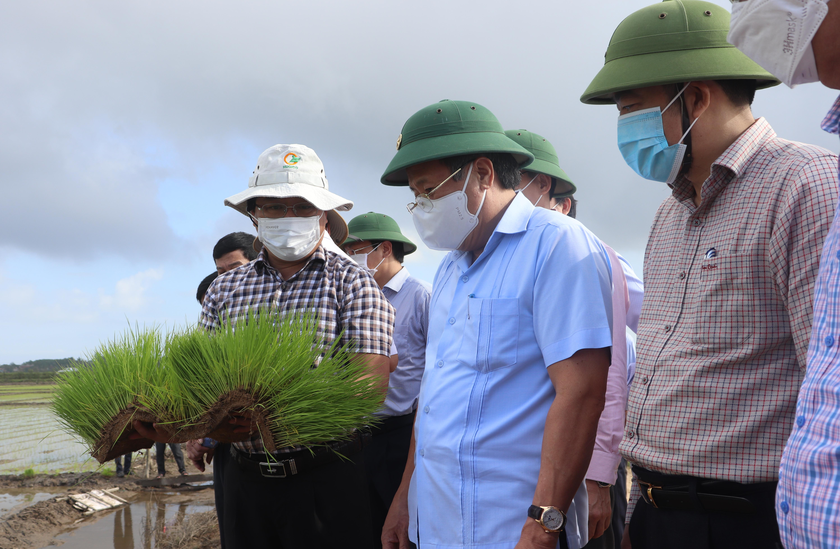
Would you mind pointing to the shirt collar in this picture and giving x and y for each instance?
(831, 124)
(515, 218)
(261, 262)
(732, 162)
(397, 281)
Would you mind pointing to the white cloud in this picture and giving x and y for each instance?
(130, 293)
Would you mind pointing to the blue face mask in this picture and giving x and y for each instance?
(642, 142)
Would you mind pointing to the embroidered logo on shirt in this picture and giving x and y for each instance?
(711, 253)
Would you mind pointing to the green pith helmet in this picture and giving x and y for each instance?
(449, 128)
(545, 160)
(672, 42)
(374, 226)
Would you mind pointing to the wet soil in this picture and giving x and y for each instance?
(45, 523)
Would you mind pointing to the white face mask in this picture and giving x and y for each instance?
(528, 185)
(289, 238)
(446, 222)
(777, 35)
(362, 260)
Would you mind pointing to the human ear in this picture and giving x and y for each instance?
(697, 98)
(483, 170)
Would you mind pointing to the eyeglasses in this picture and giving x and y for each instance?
(277, 210)
(349, 251)
(423, 201)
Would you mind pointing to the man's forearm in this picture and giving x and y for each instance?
(378, 369)
(566, 451)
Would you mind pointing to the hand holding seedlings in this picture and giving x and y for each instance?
(199, 454)
(149, 431)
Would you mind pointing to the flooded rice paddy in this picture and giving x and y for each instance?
(33, 439)
(139, 525)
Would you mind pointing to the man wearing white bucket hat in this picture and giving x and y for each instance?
(319, 500)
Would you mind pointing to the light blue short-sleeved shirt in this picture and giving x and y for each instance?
(410, 299)
(538, 293)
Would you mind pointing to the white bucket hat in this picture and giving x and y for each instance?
(294, 171)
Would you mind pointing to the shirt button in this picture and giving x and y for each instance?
(829, 341)
(426, 409)
(630, 434)
(697, 222)
(422, 452)
(667, 328)
(464, 278)
(785, 507)
(800, 421)
(682, 275)
(452, 320)
(644, 380)
(440, 364)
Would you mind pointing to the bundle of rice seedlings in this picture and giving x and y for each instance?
(97, 402)
(261, 366)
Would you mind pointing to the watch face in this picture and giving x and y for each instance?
(552, 519)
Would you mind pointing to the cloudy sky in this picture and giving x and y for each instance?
(124, 125)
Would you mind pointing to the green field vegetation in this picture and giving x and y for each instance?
(27, 377)
(22, 393)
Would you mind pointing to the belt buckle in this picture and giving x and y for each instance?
(277, 469)
(650, 488)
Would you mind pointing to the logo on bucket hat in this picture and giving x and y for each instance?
(294, 171)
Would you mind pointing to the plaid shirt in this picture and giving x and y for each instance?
(724, 329)
(344, 297)
(808, 497)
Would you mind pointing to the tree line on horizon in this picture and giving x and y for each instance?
(42, 365)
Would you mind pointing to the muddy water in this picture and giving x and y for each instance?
(134, 526)
(12, 501)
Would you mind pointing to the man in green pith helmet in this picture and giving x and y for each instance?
(544, 182)
(729, 273)
(808, 497)
(377, 244)
(495, 462)
(546, 185)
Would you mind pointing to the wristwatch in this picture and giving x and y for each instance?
(551, 519)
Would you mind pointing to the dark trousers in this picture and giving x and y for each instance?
(220, 457)
(324, 508)
(619, 504)
(385, 457)
(125, 466)
(652, 528)
(160, 456)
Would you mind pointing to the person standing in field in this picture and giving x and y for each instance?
(297, 498)
(376, 243)
(546, 185)
(493, 463)
(729, 276)
(808, 495)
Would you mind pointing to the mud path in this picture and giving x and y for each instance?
(50, 522)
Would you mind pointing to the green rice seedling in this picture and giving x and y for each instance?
(29, 473)
(98, 401)
(261, 365)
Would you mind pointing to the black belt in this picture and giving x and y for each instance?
(687, 493)
(294, 463)
(392, 423)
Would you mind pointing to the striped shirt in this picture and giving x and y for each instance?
(808, 497)
(723, 335)
(349, 304)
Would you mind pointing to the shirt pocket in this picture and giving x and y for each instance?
(725, 307)
(498, 334)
